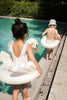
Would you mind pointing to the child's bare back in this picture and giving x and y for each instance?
(51, 32)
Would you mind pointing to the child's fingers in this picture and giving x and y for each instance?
(38, 75)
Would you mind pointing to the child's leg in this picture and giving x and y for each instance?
(47, 54)
(15, 92)
(51, 51)
(25, 91)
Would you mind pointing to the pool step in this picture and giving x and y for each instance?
(36, 84)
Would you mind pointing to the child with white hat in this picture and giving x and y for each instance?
(51, 34)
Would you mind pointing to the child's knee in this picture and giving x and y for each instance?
(16, 91)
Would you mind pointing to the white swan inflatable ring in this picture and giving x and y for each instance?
(49, 44)
(11, 77)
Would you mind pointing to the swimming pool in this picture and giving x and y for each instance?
(36, 28)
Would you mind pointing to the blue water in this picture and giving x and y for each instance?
(36, 28)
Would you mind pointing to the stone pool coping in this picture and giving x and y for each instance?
(31, 19)
(58, 89)
(23, 18)
(36, 84)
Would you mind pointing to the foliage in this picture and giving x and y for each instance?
(5, 7)
(23, 9)
(38, 10)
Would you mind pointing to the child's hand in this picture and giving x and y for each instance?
(38, 76)
(42, 35)
(44, 32)
(40, 73)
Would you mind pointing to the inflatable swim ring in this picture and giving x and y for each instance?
(11, 73)
(49, 44)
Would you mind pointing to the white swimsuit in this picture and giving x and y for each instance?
(19, 70)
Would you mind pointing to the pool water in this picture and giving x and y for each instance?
(36, 28)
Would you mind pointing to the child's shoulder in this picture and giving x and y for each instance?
(53, 29)
(56, 30)
(47, 29)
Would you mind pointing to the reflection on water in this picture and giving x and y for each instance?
(6, 88)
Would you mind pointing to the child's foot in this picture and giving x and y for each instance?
(50, 58)
(47, 59)
(27, 98)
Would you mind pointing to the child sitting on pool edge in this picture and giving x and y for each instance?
(52, 33)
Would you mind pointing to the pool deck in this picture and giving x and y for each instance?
(59, 87)
(35, 85)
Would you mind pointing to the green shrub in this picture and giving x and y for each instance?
(5, 7)
(23, 9)
(39, 10)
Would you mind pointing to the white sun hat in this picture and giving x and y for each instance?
(52, 22)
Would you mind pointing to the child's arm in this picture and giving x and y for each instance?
(32, 58)
(44, 32)
(58, 36)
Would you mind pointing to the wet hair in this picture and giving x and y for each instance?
(19, 29)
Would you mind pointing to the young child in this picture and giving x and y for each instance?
(20, 32)
(52, 33)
